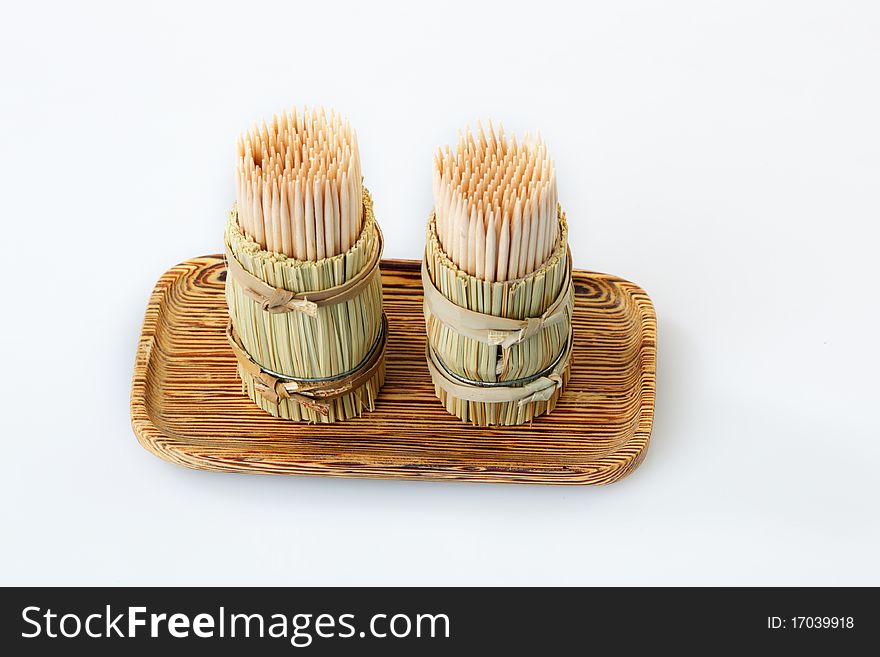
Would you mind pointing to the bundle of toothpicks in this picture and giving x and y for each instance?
(303, 284)
(497, 279)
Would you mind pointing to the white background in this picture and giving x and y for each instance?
(725, 156)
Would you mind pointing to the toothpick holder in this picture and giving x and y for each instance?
(499, 353)
(309, 336)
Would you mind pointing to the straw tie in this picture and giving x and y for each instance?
(507, 339)
(276, 300)
(543, 389)
(313, 394)
(283, 301)
(491, 329)
(540, 388)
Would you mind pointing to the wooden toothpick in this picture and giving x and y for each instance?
(495, 203)
(298, 184)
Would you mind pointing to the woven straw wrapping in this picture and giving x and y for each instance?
(295, 345)
(518, 299)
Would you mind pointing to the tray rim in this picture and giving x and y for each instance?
(608, 468)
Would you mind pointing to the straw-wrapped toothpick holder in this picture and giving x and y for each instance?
(498, 352)
(309, 336)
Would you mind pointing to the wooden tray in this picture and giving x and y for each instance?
(187, 405)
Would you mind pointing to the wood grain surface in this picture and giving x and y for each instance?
(187, 404)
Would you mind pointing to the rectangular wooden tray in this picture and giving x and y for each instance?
(187, 405)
